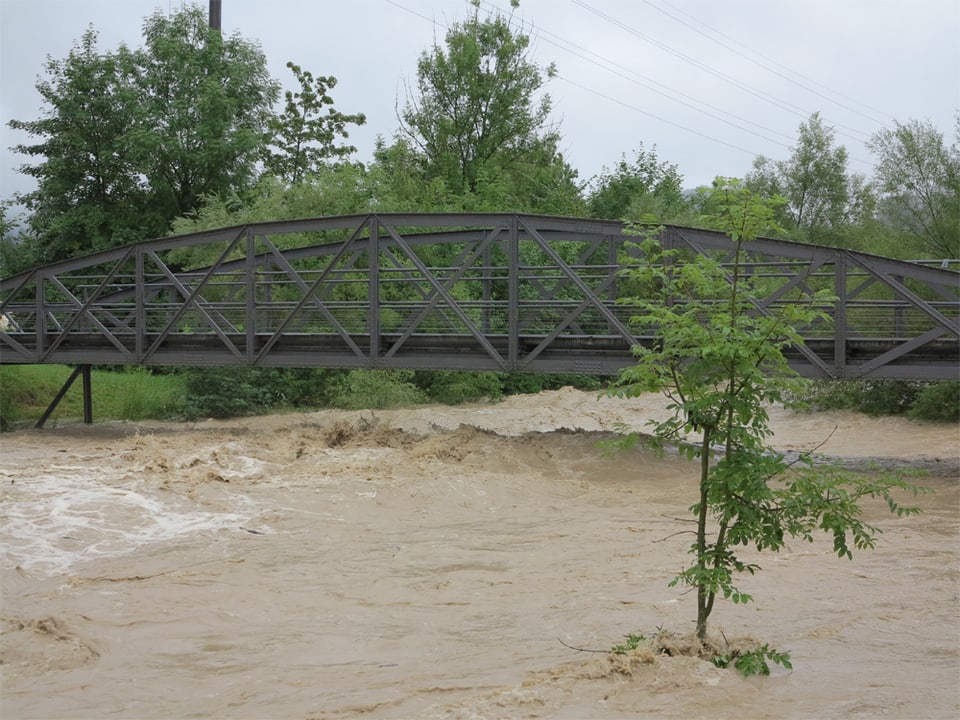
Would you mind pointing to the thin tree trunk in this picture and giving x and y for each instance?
(703, 597)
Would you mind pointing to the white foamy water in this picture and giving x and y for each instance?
(66, 515)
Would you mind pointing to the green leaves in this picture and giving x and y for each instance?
(206, 102)
(645, 187)
(719, 356)
(632, 642)
(130, 139)
(479, 126)
(819, 194)
(753, 662)
(920, 177)
(303, 137)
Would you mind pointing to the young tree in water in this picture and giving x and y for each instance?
(720, 361)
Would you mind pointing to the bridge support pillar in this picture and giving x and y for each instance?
(80, 370)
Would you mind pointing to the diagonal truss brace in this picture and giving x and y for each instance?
(83, 309)
(466, 260)
(951, 326)
(309, 294)
(809, 354)
(588, 294)
(546, 294)
(565, 323)
(190, 298)
(441, 291)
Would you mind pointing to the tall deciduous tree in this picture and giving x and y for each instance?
(479, 119)
(206, 103)
(303, 137)
(88, 187)
(920, 176)
(131, 139)
(815, 182)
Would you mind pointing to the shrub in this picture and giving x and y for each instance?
(223, 392)
(378, 389)
(939, 401)
(308, 387)
(453, 388)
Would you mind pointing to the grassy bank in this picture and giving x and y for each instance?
(131, 394)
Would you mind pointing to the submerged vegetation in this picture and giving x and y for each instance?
(747, 656)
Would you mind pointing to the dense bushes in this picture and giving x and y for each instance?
(230, 392)
(193, 393)
(937, 401)
(377, 389)
(226, 392)
(453, 388)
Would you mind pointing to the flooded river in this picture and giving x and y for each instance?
(436, 562)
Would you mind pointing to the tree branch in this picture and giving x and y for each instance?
(578, 649)
(679, 532)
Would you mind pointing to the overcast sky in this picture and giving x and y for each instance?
(710, 84)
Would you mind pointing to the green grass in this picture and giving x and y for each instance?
(133, 394)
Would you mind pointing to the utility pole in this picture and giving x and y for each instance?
(215, 15)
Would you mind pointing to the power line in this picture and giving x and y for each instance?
(434, 21)
(566, 45)
(616, 68)
(767, 97)
(769, 60)
(654, 116)
(625, 72)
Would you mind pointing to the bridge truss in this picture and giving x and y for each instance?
(501, 292)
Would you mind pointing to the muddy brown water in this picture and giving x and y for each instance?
(427, 563)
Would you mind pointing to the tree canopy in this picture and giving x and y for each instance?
(479, 123)
(88, 188)
(645, 187)
(207, 101)
(919, 175)
(814, 180)
(131, 139)
(302, 137)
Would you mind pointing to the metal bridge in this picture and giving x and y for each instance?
(502, 292)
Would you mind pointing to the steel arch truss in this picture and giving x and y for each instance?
(501, 292)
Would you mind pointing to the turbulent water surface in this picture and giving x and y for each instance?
(435, 563)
